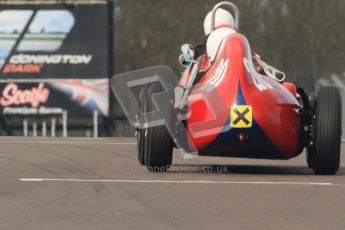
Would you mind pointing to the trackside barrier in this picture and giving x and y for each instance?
(53, 126)
(95, 124)
(64, 124)
(25, 127)
(44, 129)
(34, 129)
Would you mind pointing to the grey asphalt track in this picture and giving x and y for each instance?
(97, 184)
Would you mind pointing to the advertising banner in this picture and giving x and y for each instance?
(54, 57)
(48, 97)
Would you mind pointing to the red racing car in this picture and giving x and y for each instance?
(229, 103)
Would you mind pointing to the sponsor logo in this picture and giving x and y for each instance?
(50, 59)
(28, 68)
(12, 95)
(30, 98)
(24, 110)
(241, 116)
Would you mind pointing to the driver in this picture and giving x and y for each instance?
(224, 26)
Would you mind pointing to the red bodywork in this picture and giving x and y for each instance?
(232, 80)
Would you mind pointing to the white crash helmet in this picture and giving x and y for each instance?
(223, 18)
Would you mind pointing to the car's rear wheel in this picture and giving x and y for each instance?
(158, 144)
(325, 154)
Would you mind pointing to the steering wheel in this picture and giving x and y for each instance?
(230, 5)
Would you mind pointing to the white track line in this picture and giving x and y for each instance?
(69, 142)
(72, 142)
(182, 181)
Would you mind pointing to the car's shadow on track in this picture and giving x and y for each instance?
(246, 169)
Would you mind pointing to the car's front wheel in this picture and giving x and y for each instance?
(158, 144)
(141, 132)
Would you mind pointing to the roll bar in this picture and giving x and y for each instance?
(232, 6)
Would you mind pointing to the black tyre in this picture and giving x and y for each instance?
(325, 155)
(141, 132)
(158, 144)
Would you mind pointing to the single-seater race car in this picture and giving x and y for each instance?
(241, 107)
